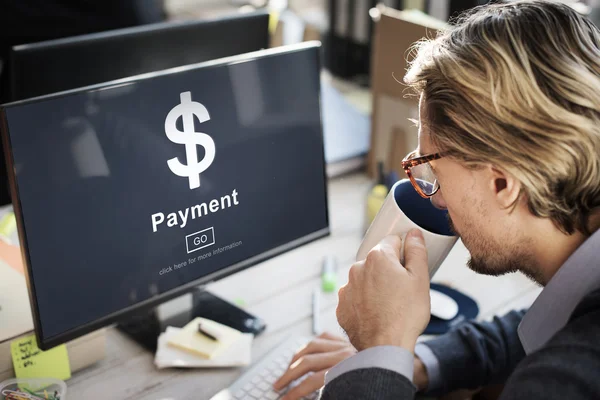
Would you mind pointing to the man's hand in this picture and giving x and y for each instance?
(420, 377)
(385, 303)
(321, 354)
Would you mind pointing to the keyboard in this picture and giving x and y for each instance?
(257, 382)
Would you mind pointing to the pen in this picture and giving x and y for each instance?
(206, 333)
(328, 274)
(316, 307)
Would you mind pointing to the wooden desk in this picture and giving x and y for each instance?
(279, 290)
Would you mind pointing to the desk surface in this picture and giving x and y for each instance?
(128, 371)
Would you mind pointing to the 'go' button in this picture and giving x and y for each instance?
(200, 240)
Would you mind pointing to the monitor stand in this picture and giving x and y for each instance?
(145, 327)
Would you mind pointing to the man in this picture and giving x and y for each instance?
(509, 135)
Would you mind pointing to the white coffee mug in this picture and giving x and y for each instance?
(403, 210)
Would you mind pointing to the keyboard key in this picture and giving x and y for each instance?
(271, 395)
(276, 369)
(240, 394)
(255, 380)
(248, 387)
(264, 372)
(257, 394)
(264, 386)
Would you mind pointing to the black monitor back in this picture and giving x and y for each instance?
(64, 64)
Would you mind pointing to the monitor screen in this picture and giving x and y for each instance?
(132, 192)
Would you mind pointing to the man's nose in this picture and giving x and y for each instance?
(438, 201)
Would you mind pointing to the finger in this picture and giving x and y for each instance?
(295, 371)
(415, 253)
(344, 306)
(355, 274)
(309, 385)
(331, 336)
(319, 345)
(391, 245)
(306, 364)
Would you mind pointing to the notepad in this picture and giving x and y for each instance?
(188, 338)
(31, 362)
(237, 354)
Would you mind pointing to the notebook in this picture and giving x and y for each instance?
(188, 338)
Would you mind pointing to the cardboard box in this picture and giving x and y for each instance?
(393, 103)
(396, 150)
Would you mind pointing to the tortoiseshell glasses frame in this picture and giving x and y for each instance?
(410, 161)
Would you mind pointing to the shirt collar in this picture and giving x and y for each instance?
(550, 312)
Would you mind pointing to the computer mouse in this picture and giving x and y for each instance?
(442, 305)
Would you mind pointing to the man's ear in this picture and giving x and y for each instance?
(505, 187)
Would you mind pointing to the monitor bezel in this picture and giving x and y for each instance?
(46, 343)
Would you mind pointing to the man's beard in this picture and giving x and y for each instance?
(451, 225)
(498, 263)
(524, 264)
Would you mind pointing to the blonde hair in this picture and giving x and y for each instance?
(517, 85)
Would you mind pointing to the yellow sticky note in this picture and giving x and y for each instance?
(31, 362)
(8, 224)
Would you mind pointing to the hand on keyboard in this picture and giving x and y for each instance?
(306, 370)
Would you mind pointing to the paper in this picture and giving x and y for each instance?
(31, 362)
(346, 131)
(15, 315)
(11, 255)
(238, 354)
(188, 338)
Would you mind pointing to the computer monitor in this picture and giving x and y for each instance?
(63, 64)
(132, 192)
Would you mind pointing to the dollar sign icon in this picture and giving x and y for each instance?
(190, 138)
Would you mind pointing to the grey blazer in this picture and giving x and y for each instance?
(478, 354)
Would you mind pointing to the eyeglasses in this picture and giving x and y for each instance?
(421, 174)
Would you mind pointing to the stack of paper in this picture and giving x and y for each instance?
(185, 347)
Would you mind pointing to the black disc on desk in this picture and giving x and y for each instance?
(467, 310)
